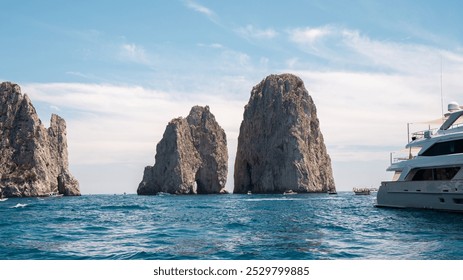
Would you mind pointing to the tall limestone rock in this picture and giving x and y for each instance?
(33, 159)
(280, 145)
(191, 158)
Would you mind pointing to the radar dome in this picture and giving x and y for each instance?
(453, 106)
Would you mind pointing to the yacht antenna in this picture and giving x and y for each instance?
(441, 94)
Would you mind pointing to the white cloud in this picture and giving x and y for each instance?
(292, 62)
(348, 47)
(310, 35)
(202, 10)
(235, 61)
(255, 33)
(212, 46)
(199, 8)
(133, 53)
(55, 108)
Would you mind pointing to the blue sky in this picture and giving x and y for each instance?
(118, 71)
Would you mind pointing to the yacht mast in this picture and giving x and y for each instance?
(441, 93)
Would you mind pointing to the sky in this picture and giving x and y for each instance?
(119, 71)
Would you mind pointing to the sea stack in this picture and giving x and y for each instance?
(33, 159)
(191, 158)
(280, 145)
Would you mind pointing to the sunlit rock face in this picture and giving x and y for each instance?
(191, 157)
(280, 145)
(33, 159)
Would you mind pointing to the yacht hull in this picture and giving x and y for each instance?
(438, 195)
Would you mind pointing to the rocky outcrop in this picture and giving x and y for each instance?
(280, 145)
(33, 159)
(191, 158)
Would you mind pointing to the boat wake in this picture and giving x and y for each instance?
(19, 205)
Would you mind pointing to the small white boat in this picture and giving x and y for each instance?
(362, 191)
(249, 192)
(55, 194)
(290, 192)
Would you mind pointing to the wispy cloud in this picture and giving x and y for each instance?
(199, 8)
(253, 32)
(202, 10)
(342, 46)
(133, 53)
(212, 46)
(310, 35)
(55, 108)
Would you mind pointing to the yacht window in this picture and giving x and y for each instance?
(445, 148)
(396, 175)
(431, 174)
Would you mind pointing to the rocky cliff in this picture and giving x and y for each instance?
(191, 158)
(33, 159)
(280, 145)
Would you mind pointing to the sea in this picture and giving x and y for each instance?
(224, 227)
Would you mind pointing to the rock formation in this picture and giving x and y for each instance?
(191, 158)
(280, 145)
(33, 159)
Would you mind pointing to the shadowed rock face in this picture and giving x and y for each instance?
(191, 158)
(33, 159)
(280, 145)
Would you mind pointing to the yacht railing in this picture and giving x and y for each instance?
(395, 159)
(403, 155)
(455, 126)
(423, 134)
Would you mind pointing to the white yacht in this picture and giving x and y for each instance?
(431, 176)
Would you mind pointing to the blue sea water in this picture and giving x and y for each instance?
(300, 227)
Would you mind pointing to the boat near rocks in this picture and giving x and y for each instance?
(55, 194)
(289, 192)
(362, 191)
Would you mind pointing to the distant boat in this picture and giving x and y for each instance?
(55, 194)
(290, 192)
(362, 191)
(249, 192)
(332, 192)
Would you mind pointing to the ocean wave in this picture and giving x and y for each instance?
(19, 205)
(124, 207)
(224, 227)
(96, 228)
(284, 198)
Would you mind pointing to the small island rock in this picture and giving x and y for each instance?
(33, 159)
(280, 145)
(191, 157)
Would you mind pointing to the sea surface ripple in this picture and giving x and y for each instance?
(300, 227)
